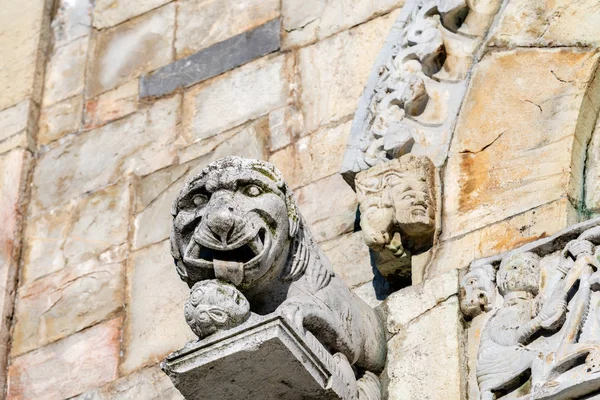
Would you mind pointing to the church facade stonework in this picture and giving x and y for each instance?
(267, 199)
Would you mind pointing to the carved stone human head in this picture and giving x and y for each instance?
(233, 222)
(519, 272)
(213, 306)
(397, 196)
(478, 290)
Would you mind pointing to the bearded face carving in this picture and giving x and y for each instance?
(397, 209)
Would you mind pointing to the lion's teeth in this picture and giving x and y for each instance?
(256, 245)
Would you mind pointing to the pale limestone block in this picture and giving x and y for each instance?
(369, 294)
(428, 347)
(23, 38)
(150, 187)
(16, 126)
(153, 223)
(60, 119)
(548, 23)
(156, 297)
(313, 157)
(112, 105)
(66, 302)
(65, 72)
(329, 206)
(68, 367)
(148, 384)
(107, 154)
(84, 229)
(531, 147)
(73, 19)
(229, 100)
(407, 304)
(334, 71)
(307, 21)
(201, 24)
(592, 172)
(502, 236)
(350, 259)
(129, 50)
(109, 13)
(285, 124)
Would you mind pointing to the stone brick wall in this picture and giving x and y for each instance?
(108, 106)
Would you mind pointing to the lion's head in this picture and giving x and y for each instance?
(235, 221)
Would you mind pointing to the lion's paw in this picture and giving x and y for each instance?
(294, 315)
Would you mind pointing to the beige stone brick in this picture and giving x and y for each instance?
(592, 177)
(155, 325)
(17, 125)
(313, 157)
(126, 51)
(350, 259)
(548, 23)
(368, 294)
(112, 105)
(84, 229)
(505, 235)
(335, 71)
(329, 206)
(203, 23)
(108, 13)
(241, 95)
(65, 71)
(66, 368)
(60, 119)
(428, 347)
(147, 384)
(285, 124)
(140, 144)
(305, 21)
(525, 145)
(153, 223)
(24, 32)
(72, 20)
(66, 302)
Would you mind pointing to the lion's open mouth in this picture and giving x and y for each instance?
(235, 260)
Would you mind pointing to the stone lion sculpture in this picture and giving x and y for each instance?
(238, 222)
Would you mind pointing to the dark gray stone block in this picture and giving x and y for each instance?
(212, 61)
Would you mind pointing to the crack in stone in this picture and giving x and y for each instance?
(467, 151)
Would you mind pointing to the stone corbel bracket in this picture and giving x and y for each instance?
(417, 84)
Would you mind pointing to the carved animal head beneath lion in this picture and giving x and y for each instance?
(235, 221)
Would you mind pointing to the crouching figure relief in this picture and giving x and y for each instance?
(542, 340)
(241, 245)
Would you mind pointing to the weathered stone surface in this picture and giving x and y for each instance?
(106, 155)
(82, 230)
(129, 50)
(155, 324)
(350, 259)
(285, 124)
(14, 167)
(112, 105)
(60, 119)
(73, 19)
(335, 70)
(201, 24)
(218, 105)
(214, 60)
(313, 157)
(23, 39)
(592, 172)
(65, 71)
(16, 126)
(287, 363)
(329, 206)
(429, 346)
(502, 236)
(108, 13)
(66, 302)
(153, 223)
(66, 368)
(407, 304)
(148, 384)
(531, 147)
(548, 23)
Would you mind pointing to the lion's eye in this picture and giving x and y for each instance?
(199, 199)
(252, 191)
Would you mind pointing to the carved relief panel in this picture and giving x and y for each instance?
(535, 327)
